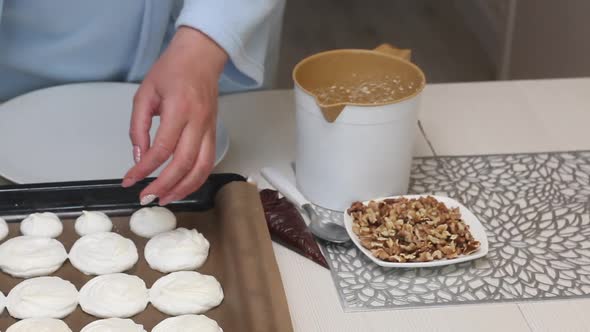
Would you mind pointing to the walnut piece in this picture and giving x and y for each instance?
(411, 230)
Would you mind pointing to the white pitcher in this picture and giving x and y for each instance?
(349, 151)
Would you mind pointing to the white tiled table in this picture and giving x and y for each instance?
(459, 119)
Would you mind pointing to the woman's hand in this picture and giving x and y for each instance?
(181, 88)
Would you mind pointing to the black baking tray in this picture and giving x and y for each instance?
(69, 198)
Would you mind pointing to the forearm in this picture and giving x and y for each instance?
(200, 47)
(241, 28)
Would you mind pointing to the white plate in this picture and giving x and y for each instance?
(72, 132)
(475, 226)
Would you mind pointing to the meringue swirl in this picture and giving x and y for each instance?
(177, 250)
(103, 253)
(186, 292)
(150, 221)
(93, 222)
(39, 325)
(44, 224)
(113, 325)
(188, 323)
(42, 297)
(31, 256)
(117, 295)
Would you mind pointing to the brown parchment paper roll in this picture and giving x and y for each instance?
(241, 258)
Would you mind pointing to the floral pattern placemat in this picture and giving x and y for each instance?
(536, 211)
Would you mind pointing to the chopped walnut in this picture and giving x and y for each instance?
(411, 230)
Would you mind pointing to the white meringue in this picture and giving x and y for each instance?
(93, 222)
(42, 297)
(31, 256)
(3, 229)
(113, 325)
(186, 292)
(149, 221)
(2, 302)
(103, 253)
(177, 250)
(39, 325)
(117, 295)
(45, 224)
(188, 323)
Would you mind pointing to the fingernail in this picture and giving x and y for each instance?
(147, 199)
(136, 154)
(128, 182)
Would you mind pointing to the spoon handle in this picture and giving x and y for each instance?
(280, 182)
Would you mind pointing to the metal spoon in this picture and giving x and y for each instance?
(327, 231)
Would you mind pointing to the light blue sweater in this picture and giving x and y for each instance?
(50, 42)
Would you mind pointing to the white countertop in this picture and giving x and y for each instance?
(459, 119)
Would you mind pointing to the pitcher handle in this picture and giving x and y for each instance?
(389, 49)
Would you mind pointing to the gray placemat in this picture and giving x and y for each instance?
(536, 211)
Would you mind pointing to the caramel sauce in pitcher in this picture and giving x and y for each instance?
(358, 77)
(370, 90)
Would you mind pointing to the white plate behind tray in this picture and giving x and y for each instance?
(72, 132)
(477, 230)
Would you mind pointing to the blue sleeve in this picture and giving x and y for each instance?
(246, 30)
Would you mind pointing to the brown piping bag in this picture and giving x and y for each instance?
(288, 228)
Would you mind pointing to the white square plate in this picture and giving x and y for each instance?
(475, 226)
